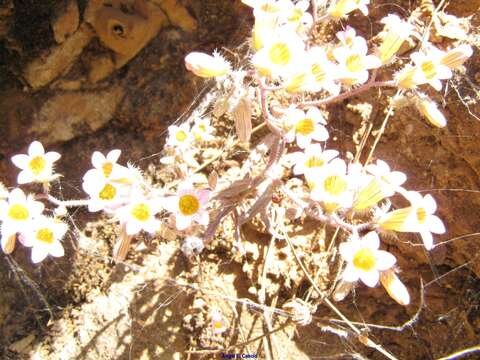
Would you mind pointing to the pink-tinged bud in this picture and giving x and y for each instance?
(395, 288)
(207, 66)
(430, 111)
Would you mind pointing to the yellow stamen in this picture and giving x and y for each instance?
(107, 169)
(279, 54)
(188, 205)
(305, 127)
(37, 165)
(364, 259)
(45, 235)
(314, 161)
(141, 212)
(421, 215)
(318, 73)
(18, 212)
(108, 192)
(354, 63)
(335, 185)
(181, 135)
(429, 70)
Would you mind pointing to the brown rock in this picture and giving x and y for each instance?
(66, 22)
(42, 71)
(100, 68)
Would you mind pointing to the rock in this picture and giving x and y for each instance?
(100, 68)
(42, 71)
(66, 22)
(72, 114)
(22, 345)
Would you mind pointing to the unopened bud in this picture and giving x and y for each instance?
(395, 288)
(429, 110)
(396, 32)
(207, 66)
(456, 57)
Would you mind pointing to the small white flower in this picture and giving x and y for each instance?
(332, 187)
(44, 237)
(139, 214)
(104, 195)
(341, 8)
(202, 130)
(390, 181)
(312, 159)
(416, 218)
(207, 66)
(298, 17)
(179, 136)
(188, 206)
(107, 165)
(429, 68)
(37, 166)
(395, 33)
(217, 322)
(16, 214)
(305, 127)
(354, 62)
(364, 260)
(348, 38)
(322, 73)
(281, 55)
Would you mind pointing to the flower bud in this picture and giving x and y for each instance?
(207, 66)
(395, 288)
(456, 57)
(405, 78)
(429, 110)
(396, 32)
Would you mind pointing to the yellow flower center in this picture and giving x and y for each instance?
(335, 185)
(141, 212)
(421, 215)
(37, 165)
(217, 325)
(314, 161)
(296, 16)
(354, 63)
(318, 73)
(181, 135)
(18, 212)
(108, 192)
(429, 70)
(188, 205)
(107, 169)
(280, 54)
(45, 235)
(202, 127)
(364, 259)
(305, 127)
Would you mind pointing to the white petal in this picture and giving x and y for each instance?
(320, 133)
(347, 250)
(370, 278)
(17, 196)
(202, 218)
(182, 222)
(429, 204)
(98, 159)
(113, 155)
(427, 239)
(36, 149)
(170, 204)
(397, 178)
(371, 241)
(436, 84)
(303, 141)
(25, 177)
(56, 249)
(435, 225)
(39, 253)
(21, 161)
(350, 274)
(52, 156)
(152, 226)
(133, 227)
(384, 260)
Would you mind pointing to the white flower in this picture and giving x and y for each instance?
(207, 66)
(430, 111)
(188, 206)
(16, 214)
(429, 68)
(104, 194)
(179, 136)
(106, 166)
(202, 130)
(322, 73)
(139, 214)
(395, 33)
(332, 187)
(390, 181)
(281, 55)
(37, 166)
(312, 159)
(305, 127)
(217, 322)
(348, 38)
(416, 218)
(364, 260)
(298, 17)
(341, 8)
(44, 237)
(354, 63)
